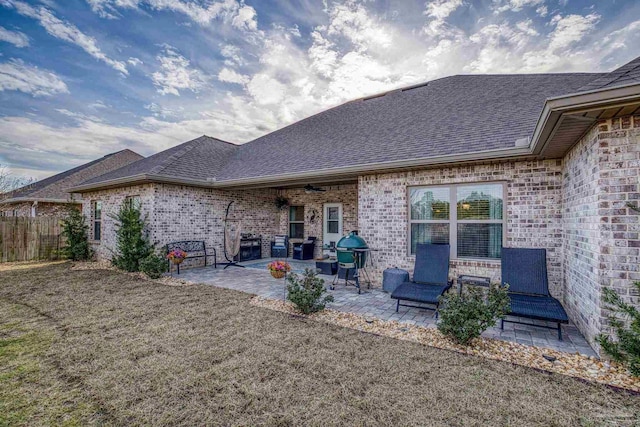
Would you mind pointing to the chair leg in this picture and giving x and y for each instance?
(397, 305)
(559, 331)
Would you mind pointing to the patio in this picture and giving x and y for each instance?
(255, 279)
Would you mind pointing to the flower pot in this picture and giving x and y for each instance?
(177, 260)
(278, 274)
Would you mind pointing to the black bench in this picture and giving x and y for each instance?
(194, 249)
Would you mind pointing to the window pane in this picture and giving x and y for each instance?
(480, 202)
(97, 230)
(428, 233)
(296, 231)
(332, 213)
(296, 213)
(332, 227)
(97, 210)
(479, 240)
(429, 203)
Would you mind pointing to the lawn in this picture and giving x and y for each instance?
(99, 347)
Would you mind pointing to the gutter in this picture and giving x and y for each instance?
(38, 200)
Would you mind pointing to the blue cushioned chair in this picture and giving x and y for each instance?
(430, 278)
(280, 247)
(525, 271)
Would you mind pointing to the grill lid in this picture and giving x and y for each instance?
(352, 241)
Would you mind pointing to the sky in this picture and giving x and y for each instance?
(83, 78)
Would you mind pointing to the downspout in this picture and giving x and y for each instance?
(34, 208)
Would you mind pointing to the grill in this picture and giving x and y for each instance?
(346, 252)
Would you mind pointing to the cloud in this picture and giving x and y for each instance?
(230, 76)
(16, 38)
(16, 75)
(514, 5)
(437, 12)
(176, 74)
(66, 31)
(134, 61)
(235, 12)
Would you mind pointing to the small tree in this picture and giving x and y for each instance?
(464, 317)
(75, 230)
(625, 321)
(307, 293)
(132, 244)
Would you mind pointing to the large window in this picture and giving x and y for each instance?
(97, 220)
(296, 222)
(469, 217)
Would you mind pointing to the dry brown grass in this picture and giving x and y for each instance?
(145, 353)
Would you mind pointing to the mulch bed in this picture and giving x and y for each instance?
(570, 364)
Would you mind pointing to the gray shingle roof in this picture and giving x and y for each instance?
(629, 73)
(452, 115)
(199, 159)
(55, 187)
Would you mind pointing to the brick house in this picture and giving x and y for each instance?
(50, 197)
(478, 161)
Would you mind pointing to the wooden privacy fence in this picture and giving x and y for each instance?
(27, 239)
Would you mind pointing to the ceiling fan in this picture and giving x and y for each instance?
(311, 189)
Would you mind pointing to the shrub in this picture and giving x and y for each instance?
(464, 317)
(132, 244)
(75, 230)
(153, 266)
(625, 321)
(307, 293)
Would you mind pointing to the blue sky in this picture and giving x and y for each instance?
(83, 78)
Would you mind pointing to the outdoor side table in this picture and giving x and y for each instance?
(328, 267)
(469, 280)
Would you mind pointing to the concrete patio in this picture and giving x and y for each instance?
(255, 279)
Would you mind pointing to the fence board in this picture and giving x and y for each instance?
(27, 239)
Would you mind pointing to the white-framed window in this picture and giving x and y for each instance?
(296, 222)
(96, 214)
(469, 217)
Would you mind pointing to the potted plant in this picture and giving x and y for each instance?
(281, 202)
(278, 269)
(176, 256)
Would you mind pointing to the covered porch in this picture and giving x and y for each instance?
(374, 303)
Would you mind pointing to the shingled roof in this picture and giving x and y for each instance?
(452, 115)
(628, 74)
(55, 187)
(200, 159)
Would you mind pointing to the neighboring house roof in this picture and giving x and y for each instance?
(626, 75)
(458, 118)
(54, 188)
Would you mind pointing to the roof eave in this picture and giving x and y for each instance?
(137, 180)
(555, 107)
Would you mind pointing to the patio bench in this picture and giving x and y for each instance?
(525, 271)
(195, 249)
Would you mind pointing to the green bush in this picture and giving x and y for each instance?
(154, 266)
(464, 317)
(625, 321)
(307, 293)
(75, 230)
(132, 244)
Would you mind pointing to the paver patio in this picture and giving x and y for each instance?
(255, 279)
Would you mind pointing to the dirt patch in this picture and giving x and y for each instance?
(195, 355)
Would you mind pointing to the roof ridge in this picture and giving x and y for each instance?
(187, 146)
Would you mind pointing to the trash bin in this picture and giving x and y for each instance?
(393, 277)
